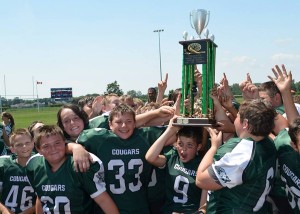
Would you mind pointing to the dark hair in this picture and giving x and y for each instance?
(294, 130)
(196, 133)
(152, 89)
(78, 111)
(47, 131)
(270, 88)
(121, 109)
(10, 117)
(260, 116)
(173, 96)
(86, 101)
(191, 132)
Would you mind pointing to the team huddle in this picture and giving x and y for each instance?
(108, 157)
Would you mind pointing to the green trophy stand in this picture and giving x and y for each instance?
(202, 51)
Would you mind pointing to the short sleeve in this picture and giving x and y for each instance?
(230, 168)
(93, 179)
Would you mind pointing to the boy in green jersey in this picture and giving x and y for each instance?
(240, 173)
(17, 195)
(122, 150)
(287, 141)
(60, 189)
(182, 194)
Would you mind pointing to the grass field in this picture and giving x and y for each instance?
(24, 117)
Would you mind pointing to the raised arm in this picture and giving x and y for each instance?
(162, 86)
(221, 117)
(155, 117)
(283, 81)
(203, 178)
(153, 155)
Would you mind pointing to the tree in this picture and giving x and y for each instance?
(134, 93)
(114, 87)
(235, 89)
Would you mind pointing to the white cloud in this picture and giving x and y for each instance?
(283, 56)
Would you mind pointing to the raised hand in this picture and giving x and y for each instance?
(249, 90)
(162, 85)
(282, 79)
(216, 137)
(245, 82)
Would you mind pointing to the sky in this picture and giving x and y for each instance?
(87, 44)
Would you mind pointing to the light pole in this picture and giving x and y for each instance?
(158, 31)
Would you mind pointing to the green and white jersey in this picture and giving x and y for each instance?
(183, 196)
(289, 162)
(16, 192)
(127, 173)
(66, 191)
(246, 170)
(99, 122)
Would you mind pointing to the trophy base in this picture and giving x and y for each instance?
(186, 121)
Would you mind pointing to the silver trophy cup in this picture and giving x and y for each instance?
(199, 20)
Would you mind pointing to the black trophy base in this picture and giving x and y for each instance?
(186, 121)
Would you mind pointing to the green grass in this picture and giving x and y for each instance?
(24, 117)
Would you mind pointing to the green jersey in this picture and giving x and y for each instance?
(16, 192)
(246, 170)
(156, 187)
(127, 173)
(289, 162)
(99, 122)
(66, 191)
(183, 196)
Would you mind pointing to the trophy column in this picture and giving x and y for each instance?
(195, 52)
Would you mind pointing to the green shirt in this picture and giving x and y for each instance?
(65, 190)
(183, 196)
(99, 122)
(16, 192)
(127, 173)
(289, 162)
(246, 170)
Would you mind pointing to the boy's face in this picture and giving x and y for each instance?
(122, 125)
(265, 96)
(53, 149)
(23, 146)
(72, 123)
(239, 129)
(187, 148)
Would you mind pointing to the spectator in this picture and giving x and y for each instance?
(7, 128)
(152, 94)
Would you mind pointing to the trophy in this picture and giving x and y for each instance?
(198, 51)
(199, 20)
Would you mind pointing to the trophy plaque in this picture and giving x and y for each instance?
(195, 52)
